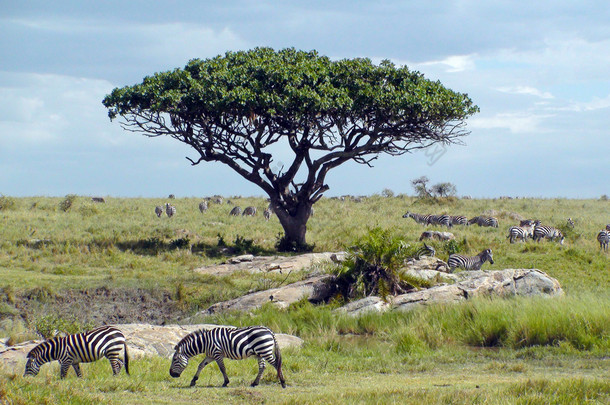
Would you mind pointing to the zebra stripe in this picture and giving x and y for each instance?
(443, 220)
(570, 223)
(484, 221)
(106, 341)
(170, 210)
(420, 219)
(519, 232)
(543, 231)
(232, 343)
(603, 237)
(425, 251)
(467, 262)
(459, 220)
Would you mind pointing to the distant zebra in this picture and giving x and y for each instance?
(570, 223)
(608, 227)
(420, 219)
(459, 220)
(235, 211)
(603, 237)
(425, 251)
(443, 220)
(548, 232)
(529, 222)
(170, 210)
(484, 221)
(98, 199)
(232, 343)
(467, 262)
(159, 211)
(106, 341)
(267, 214)
(249, 211)
(520, 232)
(203, 206)
(217, 199)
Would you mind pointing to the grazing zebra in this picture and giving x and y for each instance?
(608, 227)
(170, 210)
(267, 214)
(543, 231)
(159, 211)
(235, 211)
(603, 237)
(420, 219)
(484, 221)
(467, 262)
(529, 222)
(459, 220)
(232, 343)
(98, 199)
(249, 211)
(440, 220)
(203, 206)
(520, 232)
(425, 251)
(106, 341)
(217, 199)
(570, 223)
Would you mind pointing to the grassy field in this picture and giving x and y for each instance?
(529, 351)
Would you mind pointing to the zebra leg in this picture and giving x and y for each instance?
(76, 368)
(221, 366)
(116, 365)
(64, 367)
(204, 363)
(261, 369)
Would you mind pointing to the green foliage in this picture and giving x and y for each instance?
(52, 325)
(6, 203)
(66, 204)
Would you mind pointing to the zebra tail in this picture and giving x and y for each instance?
(126, 358)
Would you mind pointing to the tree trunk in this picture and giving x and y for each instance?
(295, 227)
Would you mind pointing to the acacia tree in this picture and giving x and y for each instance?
(238, 108)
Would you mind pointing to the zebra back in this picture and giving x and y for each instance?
(468, 262)
(603, 237)
(235, 211)
(548, 232)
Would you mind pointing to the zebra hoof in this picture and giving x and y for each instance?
(254, 384)
(283, 384)
(193, 383)
(225, 384)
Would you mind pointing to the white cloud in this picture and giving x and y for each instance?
(515, 122)
(531, 91)
(453, 63)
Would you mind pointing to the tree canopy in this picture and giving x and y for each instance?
(234, 108)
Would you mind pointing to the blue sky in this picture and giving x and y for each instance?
(539, 71)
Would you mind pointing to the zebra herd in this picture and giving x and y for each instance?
(450, 220)
(216, 344)
(251, 211)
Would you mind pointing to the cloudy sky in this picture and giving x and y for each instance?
(538, 70)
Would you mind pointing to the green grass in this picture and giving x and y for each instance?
(530, 351)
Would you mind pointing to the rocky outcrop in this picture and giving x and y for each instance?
(470, 284)
(142, 340)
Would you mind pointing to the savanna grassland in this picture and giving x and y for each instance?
(72, 266)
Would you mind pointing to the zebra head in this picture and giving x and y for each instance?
(32, 367)
(179, 361)
(486, 255)
(407, 215)
(561, 237)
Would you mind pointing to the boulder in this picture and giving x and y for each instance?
(316, 289)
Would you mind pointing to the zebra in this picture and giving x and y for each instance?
(235, 211)
(420, 219)
(159, 211)
(458, 220)
(467, 262)
(543, 231)
(440, 220)
(529, 222)
(203, 206)
(170, 210)
(267, 214)
(520, 232)
(570, 223)
(249, 211)
(608, 227)
(232, 343)
(424, 251)
(603, 237)
(105, 341)
(484, 221)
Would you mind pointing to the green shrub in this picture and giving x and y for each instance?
(6, 203)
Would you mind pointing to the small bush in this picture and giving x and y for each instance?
(6, 203)
(67, 203)
(52, 325)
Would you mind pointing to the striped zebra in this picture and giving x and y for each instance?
(529, 222)
(203, 206)
(267, 214)
(170, 210)
(232, 343)
(235, 211)
(442, 220)
(484, 221)
(458, 220)
(548, 232)
(520, 232)
(603, 237)
(159, 211)
(249, 211)
(468, 262)
(106, 341)
(424, 251)
(420, 219)
(570, 223)
(608, 227)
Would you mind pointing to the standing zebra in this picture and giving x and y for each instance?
(544, 231)
(235, 211)
(570, 223)
(603, 237)
(106, 341)
(484, 221)
(267, 214)
(424, 251)
(159, 211)
(232, 343)
(249, 211)
(420, 219)
(608, 227)
(467, 262)
(458, 220)
(170, 210)
(203, 206)
(443, 220)
(520, 232)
